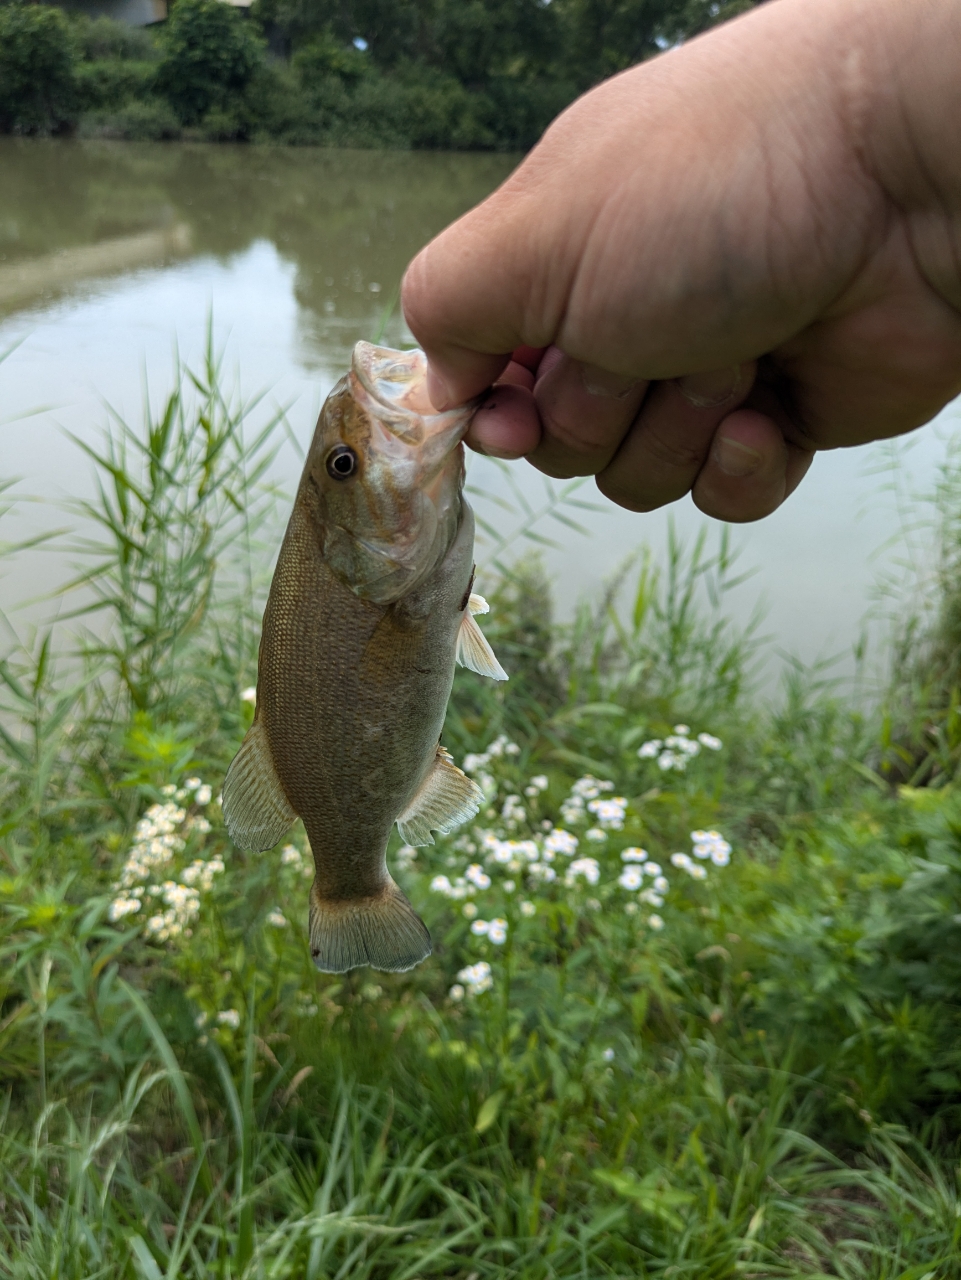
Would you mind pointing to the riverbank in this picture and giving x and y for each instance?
(693, 1002)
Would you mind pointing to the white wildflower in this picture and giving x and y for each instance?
(204, 794)
(123, 905)
(456, 992)
(708, 740)
(476, 875)
(441, 884)
(249, 695)
(631, 878)
(682, 729)
(661, 884)
(649, 750)
(191, 784)
(497, 931)
(536, 785)
(652, 868)
(696, 871)
(609, 812)
(587, 868)
(513, 811)
(630, 908)
(651, 897)
(477, 977)
(229, 1018)
(469, 909)
(608, 1055)
(290, 856)
(560, 841)
(681, 860)
(509, 886)
(655, 922)
(542, 871)
(593, 904)
(528, 909)
(479, 928)
(168, 790)
(277, 919)
(595, 834)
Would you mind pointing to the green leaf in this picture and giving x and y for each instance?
(488, 1112)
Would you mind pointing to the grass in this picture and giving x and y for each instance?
(743, 1064)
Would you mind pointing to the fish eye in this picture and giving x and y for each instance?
(341, 462)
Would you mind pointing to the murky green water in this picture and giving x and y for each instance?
(112, 254)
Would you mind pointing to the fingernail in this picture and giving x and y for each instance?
(437, 391)
(734, 458)
(708, 390)
(608, 386)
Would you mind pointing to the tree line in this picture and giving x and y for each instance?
(461, 74)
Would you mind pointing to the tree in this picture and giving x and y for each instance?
(38, 61)
(209, 56)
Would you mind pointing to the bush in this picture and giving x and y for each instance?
(149, 120)
(209, 54)
(112, 82)
(38, 61)
(104, 39)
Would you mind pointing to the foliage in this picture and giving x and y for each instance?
(209, 54)
(38, 55)
(642, 1047)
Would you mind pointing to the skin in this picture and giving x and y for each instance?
(718, 262)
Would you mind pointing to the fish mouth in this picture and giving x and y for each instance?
(393, 386)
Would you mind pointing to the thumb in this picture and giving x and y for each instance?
(461, 300)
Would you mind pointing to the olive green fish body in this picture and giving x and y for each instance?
(369, 609)
(354, 696)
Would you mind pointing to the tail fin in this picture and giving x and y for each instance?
(384, 932)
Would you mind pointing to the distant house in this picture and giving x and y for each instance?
(138, 13)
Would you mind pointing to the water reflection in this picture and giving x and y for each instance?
(349, 221)
(111, 252)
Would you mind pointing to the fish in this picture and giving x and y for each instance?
(370, 607)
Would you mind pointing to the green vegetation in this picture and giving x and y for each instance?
(381, 73)
(740, 1061)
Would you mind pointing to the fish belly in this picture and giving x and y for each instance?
(353, 697)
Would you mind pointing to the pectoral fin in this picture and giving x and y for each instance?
(445, 799)
(473, 651)
(256, 810)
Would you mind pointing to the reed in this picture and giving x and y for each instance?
(741, 1062)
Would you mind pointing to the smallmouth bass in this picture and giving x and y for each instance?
(369, 609)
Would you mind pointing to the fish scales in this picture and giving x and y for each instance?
(369, 609)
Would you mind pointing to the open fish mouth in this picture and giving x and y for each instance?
(394, 385)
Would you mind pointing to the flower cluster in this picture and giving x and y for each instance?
(583, 790)
(678, 748)
(515, 858)
(476, 978)
(160, 836)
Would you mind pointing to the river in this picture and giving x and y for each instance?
(113, 256)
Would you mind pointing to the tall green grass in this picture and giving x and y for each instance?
(755, 1072)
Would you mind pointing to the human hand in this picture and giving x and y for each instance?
(718, 262)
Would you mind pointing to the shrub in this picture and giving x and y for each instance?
(149, 120)
(104, 39)
(38, 59)
(209, 54)
(113, 82)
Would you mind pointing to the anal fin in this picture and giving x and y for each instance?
(384, 932)
(256, 810)
(445, 799)
(473, 651)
